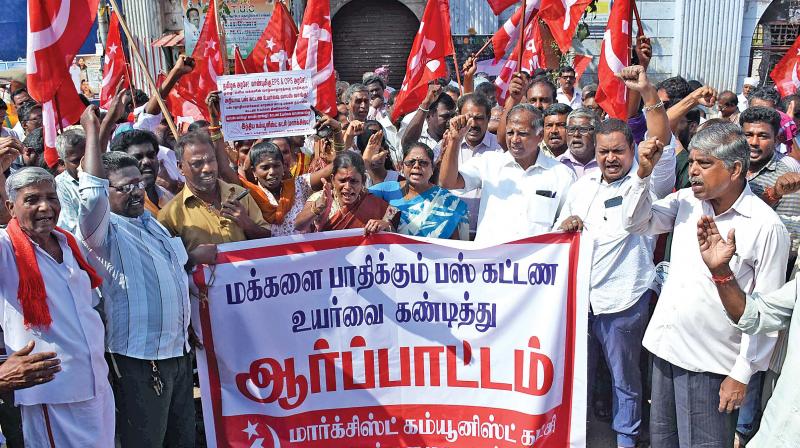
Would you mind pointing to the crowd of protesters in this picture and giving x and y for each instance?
(95, 295)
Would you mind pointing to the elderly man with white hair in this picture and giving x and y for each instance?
(701, 364)
(46, 298)
(749, 85)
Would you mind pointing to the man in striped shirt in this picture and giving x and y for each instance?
(146, 301)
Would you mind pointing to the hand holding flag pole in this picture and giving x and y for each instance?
(138, 57)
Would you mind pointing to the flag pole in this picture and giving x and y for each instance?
(522, 36)
(638, 19)
(58, 114)
(223, 42)
(130, 84)
(484, 47)
(458, 72)
(143, 66)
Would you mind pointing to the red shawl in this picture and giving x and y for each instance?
(31, 292)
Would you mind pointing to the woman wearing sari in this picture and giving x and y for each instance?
(344, 203)
(280, 198)
(425, 208)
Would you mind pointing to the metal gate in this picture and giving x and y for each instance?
(771, 40)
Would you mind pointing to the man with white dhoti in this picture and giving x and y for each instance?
(46, 297)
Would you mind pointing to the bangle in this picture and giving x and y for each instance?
(654, 106)
(338, 147)
(724, 279)
(214, 128)
(216, 136)
(420, 108)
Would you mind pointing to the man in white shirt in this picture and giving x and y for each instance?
(566, 93)
(701, 364)
(476, 142)
(622, 263)
(521, 191)
(749, 84)
(46, 295)
(579, 157)
(428, 123)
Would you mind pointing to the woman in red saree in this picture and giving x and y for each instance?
(344, 203)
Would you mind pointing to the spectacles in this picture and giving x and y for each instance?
(575, 130)
(128, 189)
(422, 163)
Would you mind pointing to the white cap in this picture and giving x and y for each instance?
(751, 82)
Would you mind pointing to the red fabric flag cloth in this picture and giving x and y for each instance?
(615, 54)
(580, 63)
(426, 62)
(509, 32)
(56, 31)
(114, 63)
(182, 110)
(65, 104)
(499, 6)
(562, 18)
(785, 72)
(533, 57)
(276, 45)
(314, 52)
(238, 67)
(207, 55)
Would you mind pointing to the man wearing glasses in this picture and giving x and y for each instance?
(145, 298)
(566, 93)
(579, 157)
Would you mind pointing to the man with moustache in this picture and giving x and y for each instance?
(701, 364)
(143, 146)
(521, 190)
(477, 141)
(555, 130)
(768, 176)
(581, 124)
(144, 281)
(622, 264)
(206, 213)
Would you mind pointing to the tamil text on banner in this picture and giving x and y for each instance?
(337, 340)
(263, 105)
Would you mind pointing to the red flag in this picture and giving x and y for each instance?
(239, 67)
(532, 58)
(614, 56)
(68, 106)
(207, 56)
(562, 18)
(51, 48)
(580, 63)
(499, 6)
(182, 111)
(426, 61)
(114, 63)
(509, 32)
(785, 72)
(276, 44)
(314, 52)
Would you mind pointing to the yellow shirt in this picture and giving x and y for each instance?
(188, 217)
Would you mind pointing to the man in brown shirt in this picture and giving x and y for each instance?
(206, 212)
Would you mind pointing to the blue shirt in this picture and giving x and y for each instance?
(436, 213)
(145, 287)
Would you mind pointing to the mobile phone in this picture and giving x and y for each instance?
(324, 131)
(241, 195)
